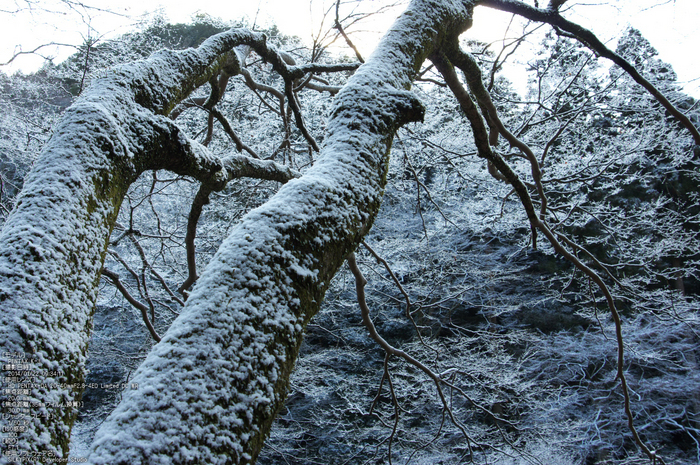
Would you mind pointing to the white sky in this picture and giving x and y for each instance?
(672, 26)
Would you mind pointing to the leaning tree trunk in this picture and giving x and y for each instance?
(209, 391)
(52, 246)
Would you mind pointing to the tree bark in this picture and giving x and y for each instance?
(53, 244)
(208, 393)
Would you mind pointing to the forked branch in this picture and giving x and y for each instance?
(481, 138)
(360, 283)
(114, 277)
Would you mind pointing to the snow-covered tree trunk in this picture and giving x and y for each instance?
(52, 245)
(209, 391)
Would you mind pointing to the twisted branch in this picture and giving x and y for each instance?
(537, 223)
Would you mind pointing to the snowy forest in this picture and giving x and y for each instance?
(227, 245)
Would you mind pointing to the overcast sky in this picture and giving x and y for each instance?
(670, 25)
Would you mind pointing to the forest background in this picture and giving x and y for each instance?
(521, 335)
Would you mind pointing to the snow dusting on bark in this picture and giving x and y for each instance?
(52, 245)
(209, 390)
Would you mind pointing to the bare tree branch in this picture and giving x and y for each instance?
(114, 277)
(337, 25)
(482, 141)
(360, 283)
(35, 51)
(552, 17)
(200, 199)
